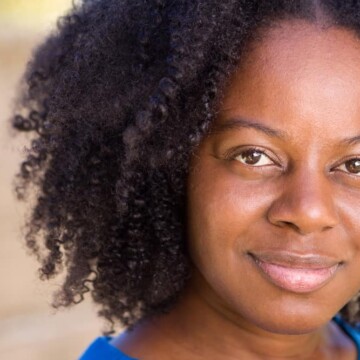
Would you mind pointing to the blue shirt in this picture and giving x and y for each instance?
(352, 332)
(101, 349)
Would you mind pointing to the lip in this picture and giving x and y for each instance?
(299, 273)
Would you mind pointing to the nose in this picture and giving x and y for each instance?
(306, 204)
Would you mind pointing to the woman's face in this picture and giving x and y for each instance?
(274, 190)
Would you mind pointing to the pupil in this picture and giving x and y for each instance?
(353, 166)
(251, 157)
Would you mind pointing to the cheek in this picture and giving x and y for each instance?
(223, 211)
(227, 217)
(349, 212)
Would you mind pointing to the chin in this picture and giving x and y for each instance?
(289, 323)
(286, 328)
(288, 316)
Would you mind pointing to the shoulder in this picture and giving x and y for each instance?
(102, 348)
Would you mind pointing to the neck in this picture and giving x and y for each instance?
(199, 328)
(205, 330)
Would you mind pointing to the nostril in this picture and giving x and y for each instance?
(288, 224)
(304, 230)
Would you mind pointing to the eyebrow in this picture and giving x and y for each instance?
(240, 123)
(351, 140)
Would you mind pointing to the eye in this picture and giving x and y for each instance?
(351, 166)
(255, 157)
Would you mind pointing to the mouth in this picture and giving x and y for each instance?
(296, 273)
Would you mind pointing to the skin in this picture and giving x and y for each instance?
(301, 82)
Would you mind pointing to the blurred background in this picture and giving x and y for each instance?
(29, 328)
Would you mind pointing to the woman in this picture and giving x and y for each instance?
(198, 172)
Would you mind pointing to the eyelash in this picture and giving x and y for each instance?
(234, 154)
(343, 164)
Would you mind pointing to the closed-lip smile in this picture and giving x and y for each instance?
(299, 273)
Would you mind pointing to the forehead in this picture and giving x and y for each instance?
(298, 74)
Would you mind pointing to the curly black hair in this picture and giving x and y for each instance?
(117, 99)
